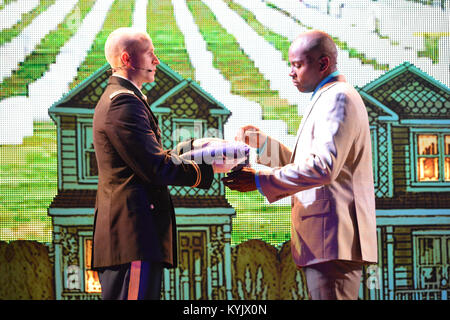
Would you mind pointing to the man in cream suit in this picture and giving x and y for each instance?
(328, 174)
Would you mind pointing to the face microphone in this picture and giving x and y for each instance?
(134, 68)
(148, 70)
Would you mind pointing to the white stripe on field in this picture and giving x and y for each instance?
(12, 13)
(356, 22)
(285, 26)
(15, 52)
(243, 110)
(17, 113)
(140, 14)
(267, 59)
(65, 69)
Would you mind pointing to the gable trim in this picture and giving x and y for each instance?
(194, 86)
(399, 70)
(154, 106)
(392, 115)
(407, 217)
(86, 82)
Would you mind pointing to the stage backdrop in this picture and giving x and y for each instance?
(235, 50)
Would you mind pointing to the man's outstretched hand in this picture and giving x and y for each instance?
(242, 180)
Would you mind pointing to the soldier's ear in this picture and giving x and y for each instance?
(125, 58)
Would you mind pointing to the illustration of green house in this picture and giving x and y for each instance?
(184, 110)
(409, 116)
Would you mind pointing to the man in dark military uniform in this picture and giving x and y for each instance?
(134, 226)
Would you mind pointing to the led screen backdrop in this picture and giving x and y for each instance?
(236, 50)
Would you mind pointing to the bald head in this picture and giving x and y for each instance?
(313, 57)
(124, 40)
(314, 44)
(131, 54)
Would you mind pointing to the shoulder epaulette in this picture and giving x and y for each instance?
(116, 93)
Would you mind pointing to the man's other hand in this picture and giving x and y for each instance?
(252, 136)
(242, 180)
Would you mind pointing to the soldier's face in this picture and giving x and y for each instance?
(145, 61)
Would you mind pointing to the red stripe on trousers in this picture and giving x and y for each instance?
(135, 277)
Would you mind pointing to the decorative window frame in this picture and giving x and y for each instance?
(84, 236)
(382, 159)
(442, 234)
(203, 131)
(75, 275)
(82, 165)
(374, 140)
(426, 186)
(199, 125)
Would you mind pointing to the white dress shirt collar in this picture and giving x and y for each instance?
(119, 76)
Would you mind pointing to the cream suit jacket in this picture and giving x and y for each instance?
(329, 176)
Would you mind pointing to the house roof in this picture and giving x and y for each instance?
(168, 83)
(406, 92)
(86, 199)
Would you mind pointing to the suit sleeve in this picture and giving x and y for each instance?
(128, 128)
(275, 154)
(332, 139)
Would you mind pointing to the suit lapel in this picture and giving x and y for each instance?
(306, 116)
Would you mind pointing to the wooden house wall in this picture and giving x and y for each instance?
(382, 261)
(68, 152)
(400, 158)
(68, 135)
(69, 158)
(381, 144)
(403, 258)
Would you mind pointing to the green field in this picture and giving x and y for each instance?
(95, 58)
(168, 41)
(28, 183)
(37, 63)
(6, 35)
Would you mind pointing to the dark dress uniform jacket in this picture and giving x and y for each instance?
(134, 215)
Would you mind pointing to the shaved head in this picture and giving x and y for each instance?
(313, 56)
(131, 55)
(124, 39)
(314, 44)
